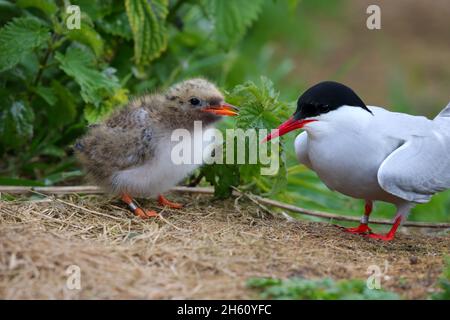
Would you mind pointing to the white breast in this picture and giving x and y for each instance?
(345, 155)
(159, 174)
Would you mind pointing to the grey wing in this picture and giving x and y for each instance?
(115, 148)
(418, 169)
(118, 144)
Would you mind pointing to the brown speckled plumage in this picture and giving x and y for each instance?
(130, 136)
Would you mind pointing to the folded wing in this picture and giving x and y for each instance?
(419, 168)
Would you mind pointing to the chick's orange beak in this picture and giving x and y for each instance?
(225, 109)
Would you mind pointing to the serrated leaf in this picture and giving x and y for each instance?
(232, 18)
(47, 6)
(259, 109)
(259, 105)
(19, 38)
(16, 122)
(147, 21)
(95, 85)
(88, 36)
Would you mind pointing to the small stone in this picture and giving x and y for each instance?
(413, 260)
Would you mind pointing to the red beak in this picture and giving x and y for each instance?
(287, 126)
(225, 109)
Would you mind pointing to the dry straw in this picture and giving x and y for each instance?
(206, 250)
(257, 199)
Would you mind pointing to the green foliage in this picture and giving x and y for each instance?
(19, 38)
(444, 284)
(323, 289)
(16, 122)
(232, 18)
(55, 80)
(259, 109)
(95, 85)
(47, 6)
(147, 21)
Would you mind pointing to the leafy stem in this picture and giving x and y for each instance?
(54, 43)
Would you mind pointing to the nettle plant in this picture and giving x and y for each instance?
(56, 79)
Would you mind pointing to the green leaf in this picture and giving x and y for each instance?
(116, 25)
(95, 9)
(95, 85)
(19, 38)
(222, 177)
(47, 94)
(232, 18)
(88, 36)
(259, 109)
(65, 111)
(94, 114)
(259, 105)
(61, 107)
(147, 21)
(47, 6)
(16, 122)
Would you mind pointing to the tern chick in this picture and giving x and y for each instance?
(129, 154)
(370, 153)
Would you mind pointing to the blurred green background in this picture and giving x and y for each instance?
(48, 98)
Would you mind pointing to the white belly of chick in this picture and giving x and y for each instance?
(163, 171)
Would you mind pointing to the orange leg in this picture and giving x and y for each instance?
(164, 202)
(136, 209)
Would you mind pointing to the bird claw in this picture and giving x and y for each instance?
(167, 203)
(365, 231)
(145, 214)
(384, 237)
(361, 229)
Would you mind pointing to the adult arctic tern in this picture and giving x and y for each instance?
(370, 153)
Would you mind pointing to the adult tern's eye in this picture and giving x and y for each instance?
(194, 101)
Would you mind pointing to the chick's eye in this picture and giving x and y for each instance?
(194, 101)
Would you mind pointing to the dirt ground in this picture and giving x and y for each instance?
(207, 250)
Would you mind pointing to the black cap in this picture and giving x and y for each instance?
(325, 97)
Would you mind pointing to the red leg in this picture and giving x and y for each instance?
(363, 226)
(388, 236)
(143, 214)
(164, 202)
